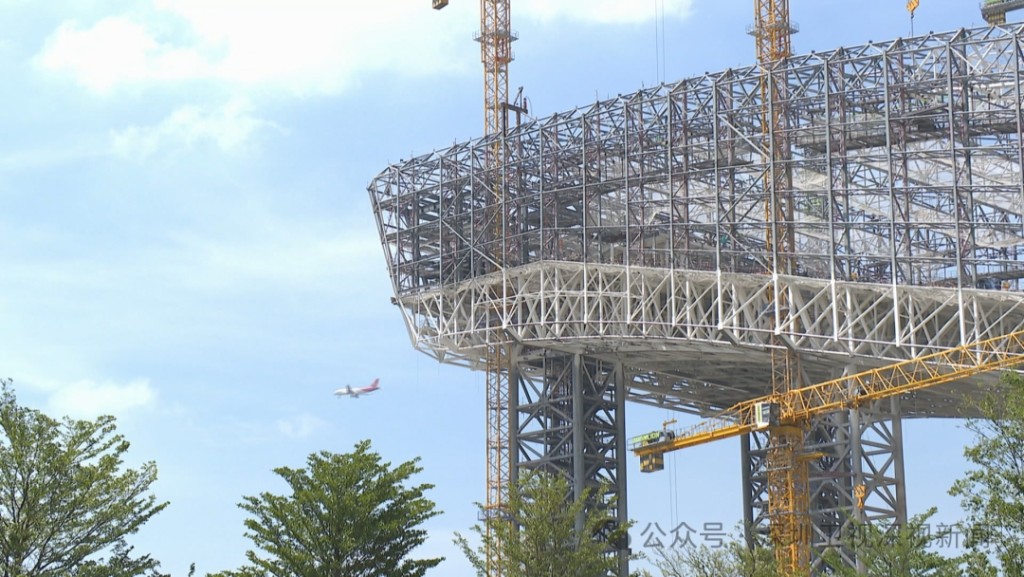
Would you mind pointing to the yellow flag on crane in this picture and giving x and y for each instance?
(912, 5)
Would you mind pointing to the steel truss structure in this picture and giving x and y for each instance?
(855, 473)
(633, 235)
(569, 418)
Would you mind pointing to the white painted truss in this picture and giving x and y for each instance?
(704, 326)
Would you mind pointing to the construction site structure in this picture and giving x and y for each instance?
(787, 492)
(793, 410)
(994, 11)
(495, 40)
(634, 259)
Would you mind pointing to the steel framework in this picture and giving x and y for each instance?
(851, 456)
(569, 418)
(633, 230)
(857, 476)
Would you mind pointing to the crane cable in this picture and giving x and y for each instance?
(659, 41)
(911, 6)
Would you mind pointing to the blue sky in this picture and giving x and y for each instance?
(189, 244)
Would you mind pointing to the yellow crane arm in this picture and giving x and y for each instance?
(705, 432)
(904, 377)
(799, 405)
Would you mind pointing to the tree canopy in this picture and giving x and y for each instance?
(992, 493)
(536, 532)
(733, 559)
(891, 550)
(346, 514)
(66, 498)
(882, 550)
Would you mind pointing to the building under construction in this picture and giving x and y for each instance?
(622, 252)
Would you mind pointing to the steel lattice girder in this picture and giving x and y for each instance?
(634, 228)
(703, 337)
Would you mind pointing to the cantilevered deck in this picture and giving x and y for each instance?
(634, 229)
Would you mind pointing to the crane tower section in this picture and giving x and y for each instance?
(495, 39)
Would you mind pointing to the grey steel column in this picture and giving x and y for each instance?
(619, 383)
(578, 432)
(857, 475)
(829, 444)
(897, 456)
(754, 451)
(515, 352)
(570, 422)
(859, 478)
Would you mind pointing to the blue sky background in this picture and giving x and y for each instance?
(189, 243)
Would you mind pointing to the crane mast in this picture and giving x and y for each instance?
(787, 471)
(495, 38)
(772, 31)
(495, 53)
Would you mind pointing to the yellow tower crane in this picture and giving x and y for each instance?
(496, 39)
(787, 495)
(789, 412)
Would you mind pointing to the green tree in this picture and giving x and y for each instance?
(536, 533)
(889, 550)
(66, 499)
(733, 559)
(347, 514)
(884, 550)
(992, 494)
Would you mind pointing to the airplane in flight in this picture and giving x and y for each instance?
(348, 391)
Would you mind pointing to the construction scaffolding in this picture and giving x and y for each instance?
(633, 235)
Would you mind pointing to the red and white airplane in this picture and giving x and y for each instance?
(348, 391)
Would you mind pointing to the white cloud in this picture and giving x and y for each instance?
(300, 426)
(270, 256)
(117, 51)
(88, 399)
(298, 46)
(41, 158)
(603, 11)
(228, 127)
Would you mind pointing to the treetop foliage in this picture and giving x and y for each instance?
(542, 532)
(992, 493)
(66, 497)
(348, 514)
